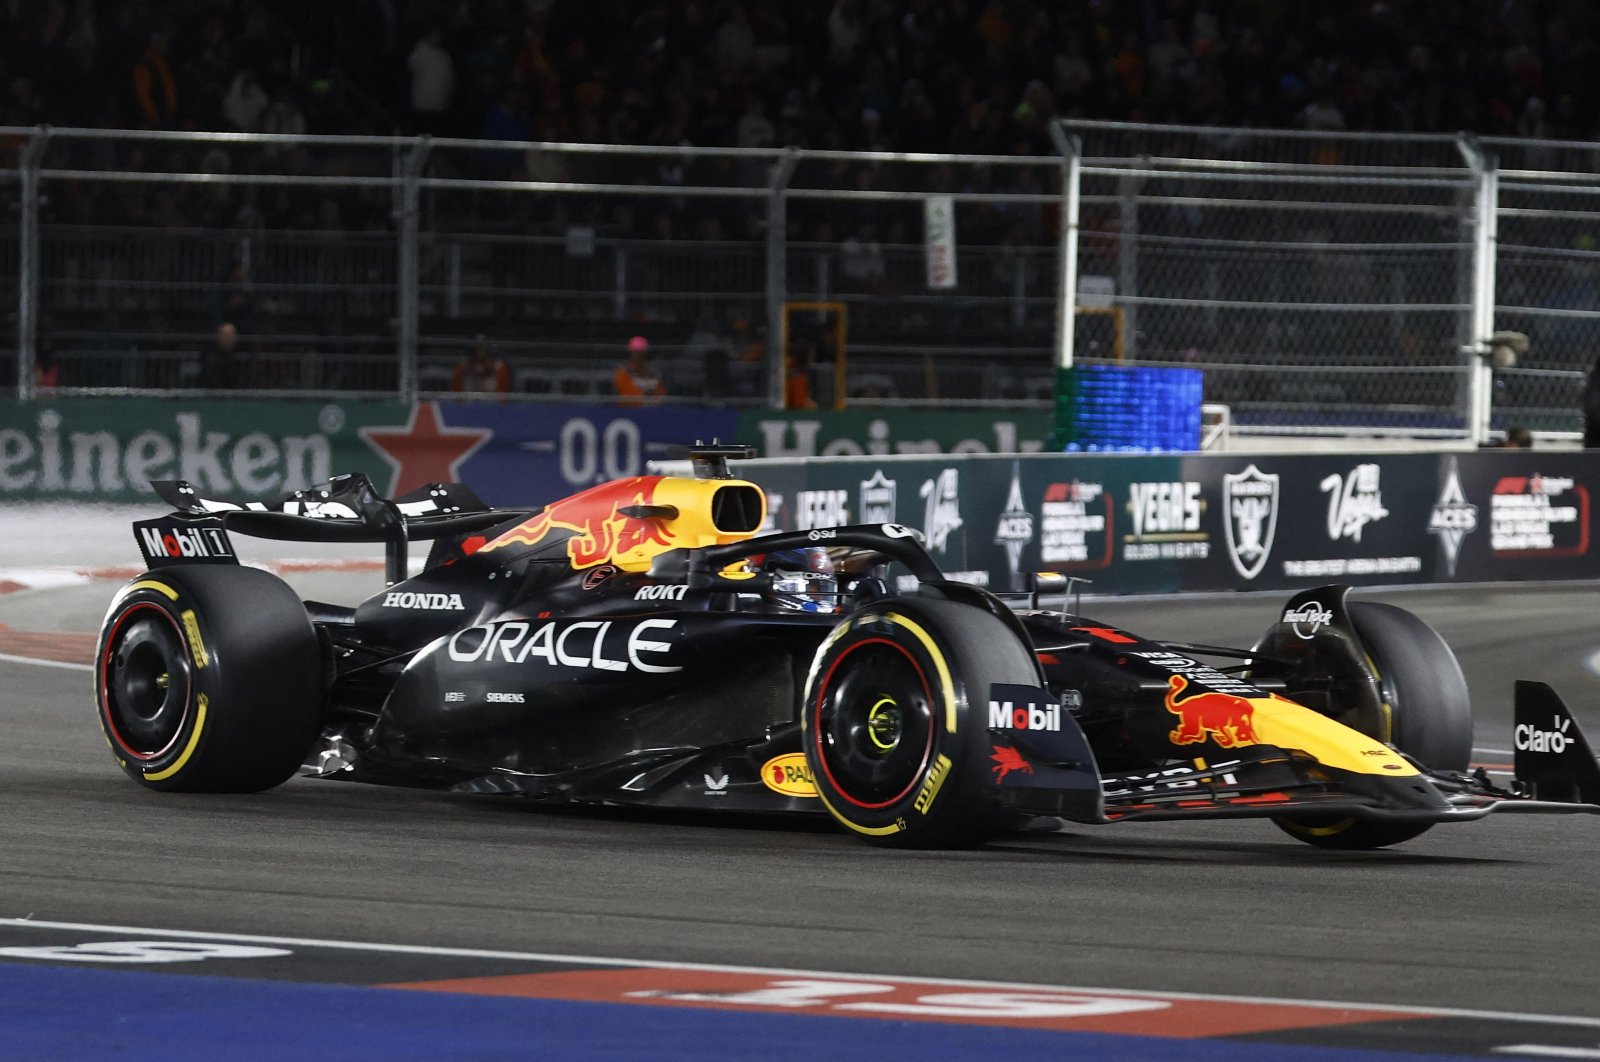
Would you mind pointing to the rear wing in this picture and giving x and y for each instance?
(344, 509)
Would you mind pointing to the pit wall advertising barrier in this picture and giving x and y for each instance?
(1130, 523)
(1159, 523)
(513, 454)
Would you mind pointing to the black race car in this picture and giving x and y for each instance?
(639, 643)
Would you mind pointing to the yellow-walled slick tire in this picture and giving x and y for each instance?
(895, 721)
(208, 679)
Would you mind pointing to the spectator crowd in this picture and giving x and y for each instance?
(965, 76)
(981, 76)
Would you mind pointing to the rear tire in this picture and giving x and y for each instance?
(209, 679)
(895, 726)
(1428, 716)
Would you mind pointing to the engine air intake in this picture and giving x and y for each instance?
(736, 508)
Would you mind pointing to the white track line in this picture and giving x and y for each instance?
(592, 960)
(65, 664)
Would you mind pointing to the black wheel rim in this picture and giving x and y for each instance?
(145, 679)
(875, 723)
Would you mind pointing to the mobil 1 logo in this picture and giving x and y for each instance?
(1026, 708)
(164, 542)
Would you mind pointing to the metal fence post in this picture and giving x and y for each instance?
(619, 262)
(28, 262)
(1071, 149)
(1128, 258)
(778, 270)
(1485, 240)
(410, 208)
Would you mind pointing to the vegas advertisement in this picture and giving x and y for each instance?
(1156, 523)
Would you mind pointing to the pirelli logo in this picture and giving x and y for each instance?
(931, 786)
(191, 629)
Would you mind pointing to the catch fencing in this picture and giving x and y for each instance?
(1329, 278)
(1325, 282)
(372, 265)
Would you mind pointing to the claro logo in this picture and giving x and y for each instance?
(602, 645)
(1554, 740)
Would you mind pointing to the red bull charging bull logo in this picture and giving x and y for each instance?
(1223, 717)
(600, 533)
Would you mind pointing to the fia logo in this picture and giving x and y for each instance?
(1250, 518)
(1354, 501)
(942, 508)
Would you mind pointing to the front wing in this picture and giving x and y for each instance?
(1053, 772)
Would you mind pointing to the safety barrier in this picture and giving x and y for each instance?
(1147, 523)
(512, 453)
(992, 506)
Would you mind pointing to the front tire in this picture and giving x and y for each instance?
(894, 721)
(209, 679)
(1427, 715)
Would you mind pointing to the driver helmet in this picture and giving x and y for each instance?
(803, 579)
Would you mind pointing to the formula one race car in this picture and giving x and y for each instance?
(638, 643)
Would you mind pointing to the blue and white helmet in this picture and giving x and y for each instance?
(803, 579)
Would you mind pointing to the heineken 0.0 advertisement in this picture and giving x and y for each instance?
(109, 449)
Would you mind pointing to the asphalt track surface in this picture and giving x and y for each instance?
(1498, 914)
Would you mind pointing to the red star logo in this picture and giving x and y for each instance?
(424, 451)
